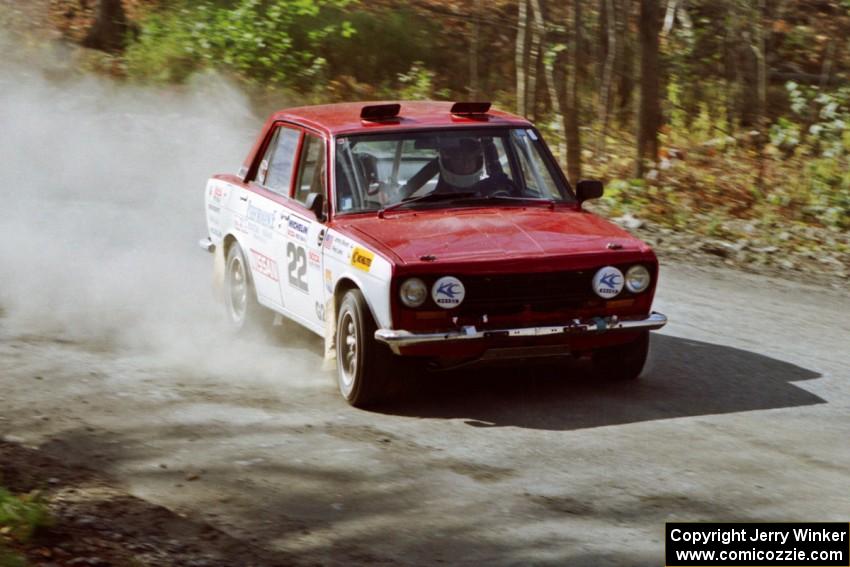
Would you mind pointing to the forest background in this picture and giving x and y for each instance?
(718, 126)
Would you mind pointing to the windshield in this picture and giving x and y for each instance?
(444, 168)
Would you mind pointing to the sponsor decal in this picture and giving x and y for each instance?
(362, 259)
(342, 247)
(217, 194)
(328, 240)
(264, 265)
(298, 229)
(329, 281)
(314, 259)
(320, 311)
(214, 208)
(448, 292)
(608, 282)
(240, 224)
(261, 217)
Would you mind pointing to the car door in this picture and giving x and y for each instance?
(303, 284)
(265, 212)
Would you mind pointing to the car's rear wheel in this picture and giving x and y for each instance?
(240, 299)
(363, 364)
(622, 362)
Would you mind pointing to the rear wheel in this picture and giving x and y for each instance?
(240, 299)
(363, 364)
(622, 362)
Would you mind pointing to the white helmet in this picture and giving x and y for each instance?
(461, 161)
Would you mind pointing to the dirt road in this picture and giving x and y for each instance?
(742, 415)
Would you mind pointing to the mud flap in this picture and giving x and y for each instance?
(329, 360)
(218, 273)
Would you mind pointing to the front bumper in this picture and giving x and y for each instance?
(397, 339)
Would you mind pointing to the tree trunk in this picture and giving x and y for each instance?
(761, 77)
(624, 58)
(649, 111)
(607, 74)
(520, 58)
(555, 92)
(473, 52)
(573, 106)
(533, 62)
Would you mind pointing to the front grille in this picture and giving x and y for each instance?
(513, 293)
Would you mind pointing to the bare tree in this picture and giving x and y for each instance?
(649, 109)
(520, 58)
(537, 29)
(553, 88)
(573, 106)
(607, 72)
(473, 52)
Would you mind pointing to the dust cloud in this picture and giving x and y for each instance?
(103, 206)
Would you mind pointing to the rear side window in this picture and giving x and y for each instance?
(275, 172)
(311, 171)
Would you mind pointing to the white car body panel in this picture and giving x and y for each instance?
(296, 262)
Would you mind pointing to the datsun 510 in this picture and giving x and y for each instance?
(429, 231)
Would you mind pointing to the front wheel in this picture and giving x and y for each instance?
(363, 365)
(622, 362)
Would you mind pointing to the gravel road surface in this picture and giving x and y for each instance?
(741, 415)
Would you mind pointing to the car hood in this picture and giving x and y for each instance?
(472, 235)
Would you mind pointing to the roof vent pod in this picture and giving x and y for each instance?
(467, 108)
(379, 112)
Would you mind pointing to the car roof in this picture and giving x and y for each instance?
(344, 118)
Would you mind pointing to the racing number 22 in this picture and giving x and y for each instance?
(297, 266)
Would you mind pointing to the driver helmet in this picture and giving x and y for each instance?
(461, 161)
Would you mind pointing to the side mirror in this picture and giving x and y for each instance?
(588, 189)
(316, 203)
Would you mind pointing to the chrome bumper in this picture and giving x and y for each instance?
(397, 339)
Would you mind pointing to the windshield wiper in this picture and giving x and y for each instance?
(430, 197)
(550, 202)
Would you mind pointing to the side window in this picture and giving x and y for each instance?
(311, 170)
(275, 172)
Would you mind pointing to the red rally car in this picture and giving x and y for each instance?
(440, 231)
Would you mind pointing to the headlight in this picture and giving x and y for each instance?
(413, 292)
(637, 279)
(448, 292)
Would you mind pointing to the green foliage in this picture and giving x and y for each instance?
(418, 84)
(22, 515)
(273, 42)
(10, 559)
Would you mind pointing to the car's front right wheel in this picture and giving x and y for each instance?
(622, 362)
(363, 364)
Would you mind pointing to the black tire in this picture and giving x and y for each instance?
(363, 364)
(243, 311)
(622, 362)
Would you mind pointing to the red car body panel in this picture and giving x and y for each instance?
(473, 235)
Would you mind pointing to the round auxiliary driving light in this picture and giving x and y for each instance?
(413, 292)
(448, 292)
(608, 282)
(637, 279)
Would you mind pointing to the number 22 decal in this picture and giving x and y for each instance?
(297, 266)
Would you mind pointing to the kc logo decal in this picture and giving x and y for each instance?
(608, 282)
